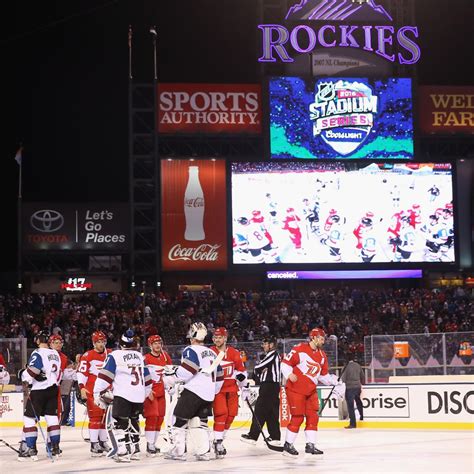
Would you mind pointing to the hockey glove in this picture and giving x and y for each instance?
(104, 399)
(339, 390)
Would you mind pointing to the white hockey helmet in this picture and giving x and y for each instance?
(197, 331)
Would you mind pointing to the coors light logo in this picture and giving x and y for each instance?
(211, 108)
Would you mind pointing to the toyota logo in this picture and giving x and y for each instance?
(47, 220)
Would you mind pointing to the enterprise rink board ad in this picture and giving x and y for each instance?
(334, 212)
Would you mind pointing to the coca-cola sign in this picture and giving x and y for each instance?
(193, 215)
(209, 108)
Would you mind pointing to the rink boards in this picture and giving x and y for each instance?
(419, 406)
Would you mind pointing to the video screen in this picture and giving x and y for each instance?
(331, 118)
(342, 212)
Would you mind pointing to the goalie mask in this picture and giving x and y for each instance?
(197, 331)
(127, 341)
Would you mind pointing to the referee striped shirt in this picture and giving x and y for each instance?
(268, 370)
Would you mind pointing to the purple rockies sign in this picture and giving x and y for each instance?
(279, 41)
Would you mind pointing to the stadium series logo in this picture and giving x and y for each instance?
(378, 39)
(343, 114)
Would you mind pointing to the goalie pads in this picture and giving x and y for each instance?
(199, 432)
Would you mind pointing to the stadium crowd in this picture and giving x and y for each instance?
(347, 313)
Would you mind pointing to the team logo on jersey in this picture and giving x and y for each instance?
(312, 369)
(343, 114)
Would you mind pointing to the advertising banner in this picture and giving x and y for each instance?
(209, 108)
(333, 117)
(446, 109)
(95, 226)
(193, 196)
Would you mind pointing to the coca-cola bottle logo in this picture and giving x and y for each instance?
(196, 202)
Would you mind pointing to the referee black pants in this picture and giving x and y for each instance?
(267, 410)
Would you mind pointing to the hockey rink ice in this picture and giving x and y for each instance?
(360, 450)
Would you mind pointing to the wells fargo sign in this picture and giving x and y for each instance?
(446, 109)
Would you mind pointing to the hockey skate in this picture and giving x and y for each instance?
(135, 456)
(56, 451)
(219, 449)
(289, 450)
(245, 438)
(274, 442)
(105, 446)
(151, 450)
(310, 448)
(96, 450)
(27, 453)
(203, 457)
(125, 457)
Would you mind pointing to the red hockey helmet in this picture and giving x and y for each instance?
(256, 213)
(317, 332)
(220, 332)
(98, 336)
(290, 210)
(55, 337)
(154, 338)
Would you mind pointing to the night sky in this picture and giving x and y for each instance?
(65, 77)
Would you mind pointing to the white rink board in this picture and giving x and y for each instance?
(439, 406)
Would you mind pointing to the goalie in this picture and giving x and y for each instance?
(203, 377)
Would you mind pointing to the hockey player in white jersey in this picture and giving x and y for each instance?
(125, 372)
(202, 378)
(42, 373)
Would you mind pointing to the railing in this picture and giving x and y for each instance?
(418, 354)
(14, 352)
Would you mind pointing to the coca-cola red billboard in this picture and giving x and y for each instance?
(193, 214)
(209, 108)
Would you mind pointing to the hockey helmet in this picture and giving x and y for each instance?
(433, 217)
(335, 218)
(269, 340)
(98, 336)
(154, 338)
(197, 331)
(243, 221)
(366, 221)
(55, 337)
(369, 214)
(128, 339)
(290, 210)
(317, 332)
(405, 219)
(256, 213)
(220, 332)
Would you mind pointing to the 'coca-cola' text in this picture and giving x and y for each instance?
(194, 202)
(204, 252)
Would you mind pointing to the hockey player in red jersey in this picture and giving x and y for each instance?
(226, 403)
(291, 223)
(155, 404)
(90, 364)
(304, 367)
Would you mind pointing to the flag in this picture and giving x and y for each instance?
(18, 155)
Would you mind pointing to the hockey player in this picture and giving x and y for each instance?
(90, 364)
(291, 224)
(42, 374)
(154, 408)
(124, 370)
(334, 238)
(56, 342)
(406, 243)
(414, 214)
(257, 218)
(201, 383)
(259, 246)
(304, 367)
(226, 403)
(362, 227)
(4, 375)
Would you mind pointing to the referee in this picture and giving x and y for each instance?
(267, 375)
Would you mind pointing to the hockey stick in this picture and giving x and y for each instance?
(213, 366)
(332, 389)
(9, 446)
(269, 445)
(48, 449)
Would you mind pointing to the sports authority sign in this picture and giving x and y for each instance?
(193, 215)
(446, 109)
(346, 30)
(209, 108)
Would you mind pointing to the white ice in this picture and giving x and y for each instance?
(355, 451)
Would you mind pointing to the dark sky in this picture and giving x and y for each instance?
(65, 74)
